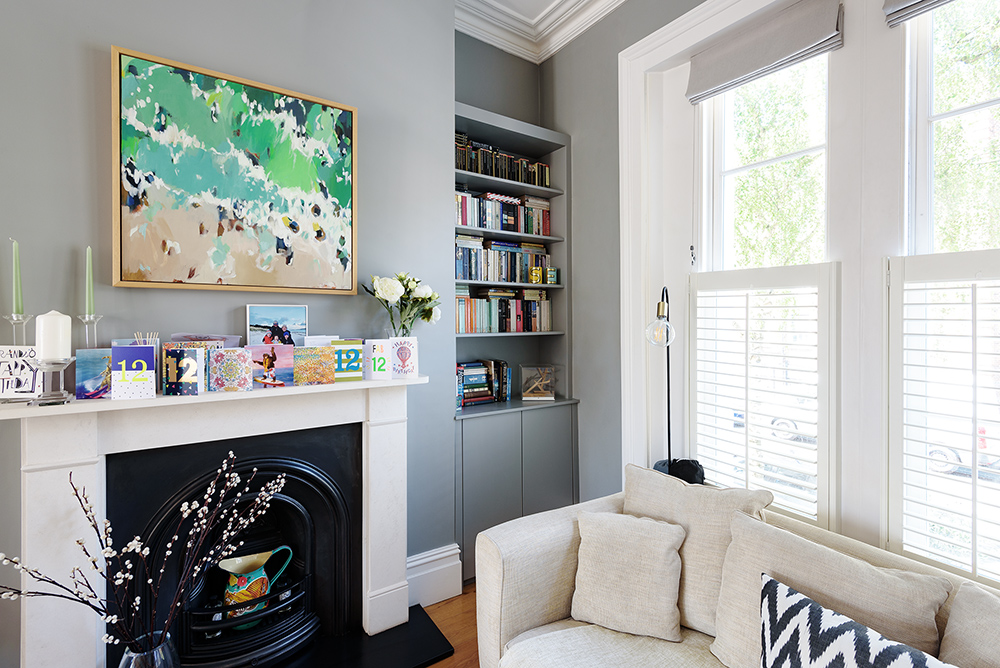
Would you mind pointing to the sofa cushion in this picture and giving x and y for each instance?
(591, 646)
(627, 574)
(798, 631)
(705, 513)
(900, 605)
(970, 639)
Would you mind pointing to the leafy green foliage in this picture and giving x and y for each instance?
(775, 212)
(966, 147)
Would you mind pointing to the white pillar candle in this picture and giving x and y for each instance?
(53, 336)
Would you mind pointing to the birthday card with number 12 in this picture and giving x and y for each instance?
(133, 372)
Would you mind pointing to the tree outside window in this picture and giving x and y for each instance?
(770, 180)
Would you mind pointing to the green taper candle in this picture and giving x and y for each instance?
(18, 303)
(89, 307)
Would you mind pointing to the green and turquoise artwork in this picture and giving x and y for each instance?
(228, 183)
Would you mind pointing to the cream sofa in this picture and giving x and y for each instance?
(527, 573)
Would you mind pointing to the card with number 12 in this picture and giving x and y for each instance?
(184, 371)
(133, 372)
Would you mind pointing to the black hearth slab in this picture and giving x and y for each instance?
(416, 644)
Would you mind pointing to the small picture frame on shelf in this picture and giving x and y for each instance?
(275, 324)
(538, 382)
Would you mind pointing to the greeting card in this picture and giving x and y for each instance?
(93, 373)
(230, 370)
(183, 371)
(315, 365)
(133, 372)
(349, 359)
(20, 377)
(377, 363)
(206, 345)
(273, 365)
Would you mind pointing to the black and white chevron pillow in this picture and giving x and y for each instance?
(797, 632)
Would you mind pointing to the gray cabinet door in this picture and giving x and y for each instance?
(491, 478)
(547, 458)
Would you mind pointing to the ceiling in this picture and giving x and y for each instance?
(529, 29)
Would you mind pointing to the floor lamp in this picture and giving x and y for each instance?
(659, 333)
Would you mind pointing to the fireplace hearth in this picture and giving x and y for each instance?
(316, 515)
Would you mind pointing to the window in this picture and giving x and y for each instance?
(761, 347)
(956, 88)
(763, 382)
(768, 202)
(945, 410)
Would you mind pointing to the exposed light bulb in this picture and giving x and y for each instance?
(659, 332)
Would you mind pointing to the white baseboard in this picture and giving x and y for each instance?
(434, 575)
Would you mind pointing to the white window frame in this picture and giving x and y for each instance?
(659, 161)
(826, 278)
(920, 232)
(712, 112)
(920, 236)
(962, 266)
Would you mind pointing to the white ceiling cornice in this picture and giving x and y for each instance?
(535, 39)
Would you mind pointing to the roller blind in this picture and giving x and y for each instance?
(767, 44)
(762, 385)
(898, 11)
(944, 354)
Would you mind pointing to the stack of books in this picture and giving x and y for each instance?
(482, 382)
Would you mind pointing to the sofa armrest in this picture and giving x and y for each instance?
(526, 573)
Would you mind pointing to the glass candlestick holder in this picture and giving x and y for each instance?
(17, 322)
(90, 328)
(52, 383)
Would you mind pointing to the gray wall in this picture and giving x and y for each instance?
(489, 78)
(55, 174)
(579, 95)
(10, 539)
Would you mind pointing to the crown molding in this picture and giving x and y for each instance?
(533, 40)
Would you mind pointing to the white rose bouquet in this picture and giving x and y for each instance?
(405, 298)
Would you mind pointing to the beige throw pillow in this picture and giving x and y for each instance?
(627, 575)
(705, 513)
(971, 638)
(900, 605)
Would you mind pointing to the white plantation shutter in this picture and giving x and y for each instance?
(944, 375)
(763, 382)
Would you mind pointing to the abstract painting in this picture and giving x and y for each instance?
(221, 182)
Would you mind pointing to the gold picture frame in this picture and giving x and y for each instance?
(223, 183)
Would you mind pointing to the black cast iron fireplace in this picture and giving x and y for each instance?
(317, 514)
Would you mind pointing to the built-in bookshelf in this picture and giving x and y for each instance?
(505, 234)
(514, 457)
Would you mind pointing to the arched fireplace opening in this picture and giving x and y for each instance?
(317, 515)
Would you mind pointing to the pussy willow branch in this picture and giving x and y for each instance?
(217, 521)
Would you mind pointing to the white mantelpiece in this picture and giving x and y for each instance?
(78, 436)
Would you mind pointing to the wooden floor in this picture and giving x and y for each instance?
(456, 618)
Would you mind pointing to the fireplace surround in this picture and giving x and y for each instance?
(79, 437)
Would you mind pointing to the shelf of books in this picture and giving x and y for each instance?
(511, 259)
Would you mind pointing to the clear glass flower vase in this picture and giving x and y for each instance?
(163, 655)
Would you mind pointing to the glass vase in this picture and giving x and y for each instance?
(163, 655)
